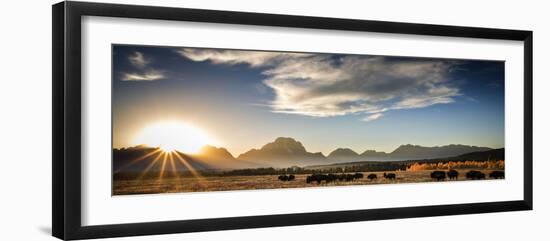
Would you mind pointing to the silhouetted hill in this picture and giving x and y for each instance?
(419, 152)
(141, 158)
(282, 152)
(372, 154)
(495, 154)
(220, 158)
(214, 153)
(344, 154)
(410, 152)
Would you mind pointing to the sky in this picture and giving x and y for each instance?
(244, 99)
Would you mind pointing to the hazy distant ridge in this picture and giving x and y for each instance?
(282, 152)
(421, 152)
(287, 151)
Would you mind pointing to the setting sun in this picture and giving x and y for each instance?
(172, 135)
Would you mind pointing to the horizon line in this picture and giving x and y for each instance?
(325, 155)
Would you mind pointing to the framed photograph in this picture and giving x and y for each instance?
(171, 120)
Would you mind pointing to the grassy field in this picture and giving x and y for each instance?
(226, 183)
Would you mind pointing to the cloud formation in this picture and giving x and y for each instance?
(325, 85)
(138, 60)
(146, 76)
(372, 117)
(253, 58)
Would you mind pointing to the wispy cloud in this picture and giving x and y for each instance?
(253, 58)
(372, 117)
(146, 76)
(144, 73)
(138, 60)
(324, 85)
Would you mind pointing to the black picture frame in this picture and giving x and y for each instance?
(66, 47)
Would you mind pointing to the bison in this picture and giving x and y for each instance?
(285, 178)
(341, 177)
(452, 174)
(333, 177)
(438, 175)
(372, 176)
(330, 178)
(390, 176)
(314, 178)
(318, 178)
(475, 175)
(497, 174)
(349, 177)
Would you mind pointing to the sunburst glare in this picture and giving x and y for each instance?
(172, 136)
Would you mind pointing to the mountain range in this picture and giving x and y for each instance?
(405, 152)
(282, 152)
(493, 155)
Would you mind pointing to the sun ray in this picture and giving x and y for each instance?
(174, 171)
(138, 159)
(173, 165)
(151, 165)
(194, 172)
(163, 166)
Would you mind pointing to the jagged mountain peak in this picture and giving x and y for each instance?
(285, 144)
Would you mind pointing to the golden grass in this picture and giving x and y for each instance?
(227, 183)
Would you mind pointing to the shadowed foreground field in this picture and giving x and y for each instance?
(227, 183)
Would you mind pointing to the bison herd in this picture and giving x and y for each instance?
(333, 177)
(348, 177)
(343, 177)
(472, 175)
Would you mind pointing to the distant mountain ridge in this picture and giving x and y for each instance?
(373, 154)
(490, 155)
(409, 151)
(286, 151)
(283, 152)
(404, 152)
